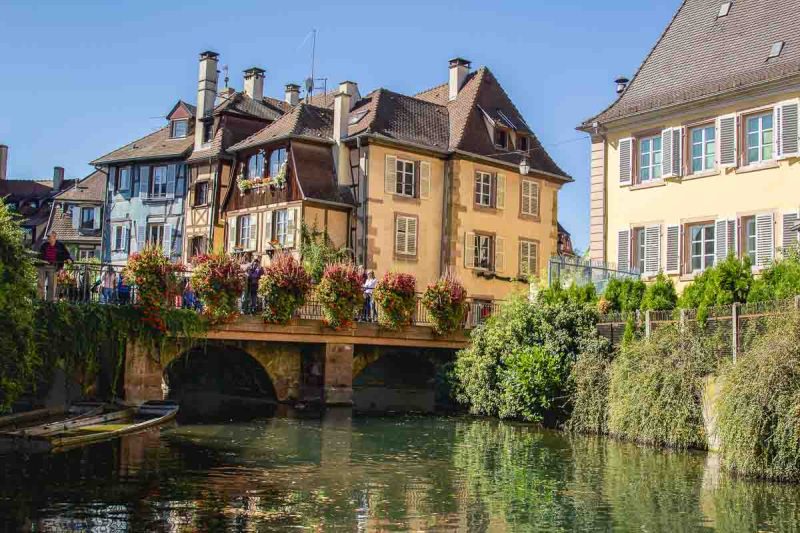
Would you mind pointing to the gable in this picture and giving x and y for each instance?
(181, 110)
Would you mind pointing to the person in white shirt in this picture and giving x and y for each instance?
(369, 304)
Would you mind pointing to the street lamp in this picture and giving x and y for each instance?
(524, 166)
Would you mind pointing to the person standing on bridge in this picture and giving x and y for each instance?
(369, 305)
(55, 254)
(108, 283)
(254, 272)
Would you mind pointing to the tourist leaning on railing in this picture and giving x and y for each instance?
(55, 254)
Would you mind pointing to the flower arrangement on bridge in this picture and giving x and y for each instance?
(446, 302)
(284, 287)
(157, 284)
(395, 296)
(339, 291)
(218, 281)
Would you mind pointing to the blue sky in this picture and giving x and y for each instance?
(78, 79)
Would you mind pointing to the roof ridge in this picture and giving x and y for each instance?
(478, 79)
(159, 130)
(430, 89)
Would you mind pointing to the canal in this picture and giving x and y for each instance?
(381, 473)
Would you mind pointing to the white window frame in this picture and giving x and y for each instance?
(245, 225)
(746, 238)
(483, 189)
(155, 229)
(405, 176)
(280, 226)
(653, 163)
(158, 187)
(119, 238)
(704, 144)
(483, 243)
(640, 252)
(761, 131)
(704, 264)
(175, 123)
(124, 178)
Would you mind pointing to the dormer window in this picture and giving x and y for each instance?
(180, 128)
(501, 138)
(522, 143)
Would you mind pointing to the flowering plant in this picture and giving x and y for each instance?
(244, 184)
(395, 296)
(339, 292)
(218, 282)
(445, 301)
(280, 179)
(66, 277)
(283, 286)
(156, 281)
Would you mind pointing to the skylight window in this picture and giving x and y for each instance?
(724, 9)
(775, 50)
(355, 117)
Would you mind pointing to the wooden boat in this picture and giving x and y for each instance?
(72, 433)
(27, 419)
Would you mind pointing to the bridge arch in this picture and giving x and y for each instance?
(394, 379)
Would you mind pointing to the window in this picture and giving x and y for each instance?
(124, 178)
(703, 149)
(159, 182)
(758, 138)
(255, 166)
(638, 247)
(528, 257)
(119, 238)
(748, 238)
(649, 159)
(483, 189)
(405, 238)
(155, 234)
(280, 221)
(87, 218)
(85, 255)
(529, 204)
(244, 228)
(208, 132)
(200, 193)
(501, 138)
(522, 141)
(276, 160)
(701, 246)
(405, 178)
(180, 128)
(483, 251)
(198, 246)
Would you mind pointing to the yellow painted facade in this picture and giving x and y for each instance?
(731, 194)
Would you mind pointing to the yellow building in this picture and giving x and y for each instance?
(451, 180)
(698, 156)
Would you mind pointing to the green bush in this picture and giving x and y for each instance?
(660, 295)
(18, 361)
(725, 283)
(655, 388)
(317, 251)
(590, 377)
(779, 281)
(518, 363)
(624, 295)
(585, 294)
(759, 405)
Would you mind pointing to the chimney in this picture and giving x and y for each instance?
(342, 104)
(254, 83)
(3, 161)
(58, 178)
(206, 93)
(622, 83)
(292, 93)
(459, 68)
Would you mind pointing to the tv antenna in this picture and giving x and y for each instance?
(311, 83)
(225, 70)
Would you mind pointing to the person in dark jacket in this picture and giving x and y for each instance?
(55, 254)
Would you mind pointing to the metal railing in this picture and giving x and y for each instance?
(89, 283)
(568, 269)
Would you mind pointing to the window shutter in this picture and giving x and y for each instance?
(231, 234)
(523, 255)
(424, 180)
(141, 237)
(171, 181)
(673, 249)
(411, 236)
(623, 250)
(677, 151)
(727, 141)
(180, 180)
(390, 174)
(268, 230)
(469, 250)
(666, 153)
(652, 249)
(625, 161)
(788, 136)
(732, 240)
(789, 237)
(291, 226)
(499, 254)
(721, 239)
(126, 239)
(764, 239)
(166, 243)
(500, 199)
(112, 178)
(96, 218)
(76, 217)
(400, 230)
(252, 244)
(525, 196)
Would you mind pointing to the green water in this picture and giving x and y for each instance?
(370, 474)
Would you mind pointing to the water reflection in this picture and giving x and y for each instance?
(404, 473)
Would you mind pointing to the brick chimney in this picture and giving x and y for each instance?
(3, 161)
(342, 104)
(459, 68)
(58, 178)
(254, 83)
(206, 93)
(292, 93)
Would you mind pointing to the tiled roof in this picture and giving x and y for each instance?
(157, 145)
(325, 99)
(304, 120)
(403, 118)
(700, 55)
(61, 223)
(240, 103)
(314, 168)
(92, 188)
